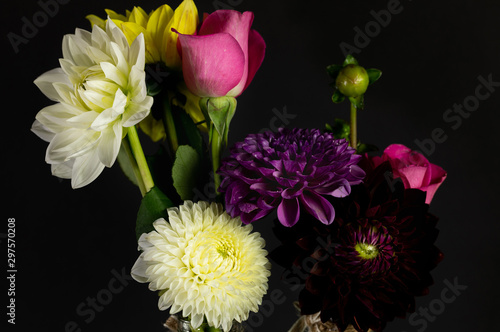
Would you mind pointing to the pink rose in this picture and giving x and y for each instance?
(222, 59)
(413, 168)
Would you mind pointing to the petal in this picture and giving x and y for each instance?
(185, 20)
(318, 206)
(114, 74)
(237, 25)
(86, 169)
(414, 176)
(289, 212)
(158, 22)
(45, 83)
(109, 144)
(55, 117)
(63, 170)
(212, 65)
(41, 131)
(69, 144)
(256, 52)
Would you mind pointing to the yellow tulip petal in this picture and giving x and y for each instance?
(185, 21)
(139, 16)
(158, 22)
(132, 30)
(114, 15)
(96, 20)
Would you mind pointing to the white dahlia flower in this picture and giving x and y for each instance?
(100, 88)
(207, 265)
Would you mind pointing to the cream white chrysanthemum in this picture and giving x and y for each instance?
(100, 88)
(207, 264)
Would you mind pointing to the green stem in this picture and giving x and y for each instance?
(354, 129)
(135, 168)
(216, 142)
(140, 158)
(170, 130)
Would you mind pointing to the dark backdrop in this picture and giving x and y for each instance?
(73, 244)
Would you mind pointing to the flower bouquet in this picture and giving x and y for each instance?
(353, 225)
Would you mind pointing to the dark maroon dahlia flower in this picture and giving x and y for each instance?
(366, 267)
(287, 170)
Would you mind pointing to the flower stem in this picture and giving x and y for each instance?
(354, 129)
(170, 130)
(216, 143)
(135, 168)
(140, 158)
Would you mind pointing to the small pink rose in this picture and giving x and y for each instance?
(222, 59)
(413, 168)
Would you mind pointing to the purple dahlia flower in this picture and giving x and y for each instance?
(286, 170)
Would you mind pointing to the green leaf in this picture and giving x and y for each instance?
(338, 97)
(126, 165)
(153, 206)
(350, 60)
(333, 70)
(187, 131)
(373, 74)
(185, 171)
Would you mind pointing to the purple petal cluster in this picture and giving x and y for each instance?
(287, 170)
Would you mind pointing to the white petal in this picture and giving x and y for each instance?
(135, 113)
(114, 74)
(109, 144)
(84, 34)
(139, 270)
(137, 84)
(45, 82)
(104, 119)
(119, 59)
(70, 143)
(116, 34)
(78, 50)
(41, 131)
(86, 169)
(84, 120)
(137, 52)
(54, 117)
(63, 170)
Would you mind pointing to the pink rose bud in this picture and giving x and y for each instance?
(414, 169)
(222, 59)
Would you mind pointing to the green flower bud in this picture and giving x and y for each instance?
(352, 81)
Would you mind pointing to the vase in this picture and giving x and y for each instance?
(184, 325)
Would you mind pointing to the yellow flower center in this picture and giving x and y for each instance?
(366, 251)
(226, 249)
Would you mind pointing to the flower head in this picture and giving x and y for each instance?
(365, 268)
(286, 170)
(100, 89)
(206, 264)
(222, 59)
(161, 41)
(413, 169)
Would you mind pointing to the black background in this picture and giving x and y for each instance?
(70, 242)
